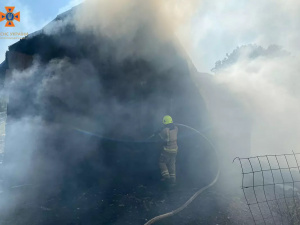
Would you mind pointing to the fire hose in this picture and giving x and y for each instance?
(197, 193)
(191, 199)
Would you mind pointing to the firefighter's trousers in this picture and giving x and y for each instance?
(167, 165)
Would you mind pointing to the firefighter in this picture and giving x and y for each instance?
(167, 159)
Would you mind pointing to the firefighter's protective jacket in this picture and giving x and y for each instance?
(169, 135)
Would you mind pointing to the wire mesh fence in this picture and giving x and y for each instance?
(271, 186)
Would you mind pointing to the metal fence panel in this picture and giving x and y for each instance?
(271, 186)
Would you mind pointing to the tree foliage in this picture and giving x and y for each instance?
(250, 52)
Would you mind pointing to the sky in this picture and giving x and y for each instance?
(220, 26)
(34, 15)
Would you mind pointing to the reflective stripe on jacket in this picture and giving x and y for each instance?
(169, 135)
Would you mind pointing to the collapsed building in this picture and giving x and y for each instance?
(78, 118)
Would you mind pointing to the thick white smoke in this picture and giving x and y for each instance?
(117, 18)
(123, 20)
(221, 26)
(268, 88)
(265, 89)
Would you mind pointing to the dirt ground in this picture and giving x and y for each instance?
(135, 206)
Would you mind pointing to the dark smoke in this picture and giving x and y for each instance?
(80, 80)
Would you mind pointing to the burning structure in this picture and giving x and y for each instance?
(79, 111)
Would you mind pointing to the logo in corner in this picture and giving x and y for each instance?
(10, 16)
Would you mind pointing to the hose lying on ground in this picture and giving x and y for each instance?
(174, 212)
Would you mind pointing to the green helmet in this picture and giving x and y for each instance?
(167, 120)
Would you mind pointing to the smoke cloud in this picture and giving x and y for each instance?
(123, 18)
(118, 81)
(265, 89)
(253, 102)
(268, 89)
(128, 19)
(220, 27)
